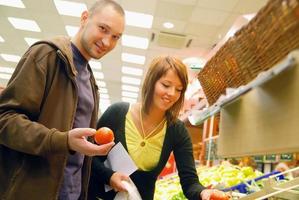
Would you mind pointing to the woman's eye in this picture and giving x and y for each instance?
(165, 85)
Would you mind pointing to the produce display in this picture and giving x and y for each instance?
(220, 177)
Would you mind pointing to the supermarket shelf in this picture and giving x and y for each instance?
(264, 120)
(197, 117)
(273, 188)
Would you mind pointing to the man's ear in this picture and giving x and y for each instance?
(84, 17)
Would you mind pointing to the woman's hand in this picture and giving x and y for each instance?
(116, 181)
(213, 194)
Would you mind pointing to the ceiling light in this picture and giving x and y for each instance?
(1, 39)
(133, 58)
(249, 16)
(98, 75)
(103, 90)
(31, 41)
(10, 57)
(194, 62)
(71, 30)
(139, 19)
(101, 83)
(95, 65)
(130, 88)
(12, 3)
(70, 8)
(7, 70)
(104, 101)
(129, 100)
(134, 41)
(5, 76)
(104, 96)
(168, 25)
(132, 71)
(103, 106)
(129, 94)
(24, 24)
(130, 80)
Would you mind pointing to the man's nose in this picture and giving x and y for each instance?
(106, 41)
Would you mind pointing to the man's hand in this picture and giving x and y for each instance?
(77, 140)
(116, 181)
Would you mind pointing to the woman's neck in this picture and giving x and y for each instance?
(153, 115)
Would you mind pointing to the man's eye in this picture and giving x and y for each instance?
(102, 28)
(116, 37)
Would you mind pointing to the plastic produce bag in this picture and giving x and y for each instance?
(131, 194)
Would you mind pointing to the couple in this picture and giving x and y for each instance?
(45, 148)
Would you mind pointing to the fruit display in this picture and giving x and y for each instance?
(220, 177)
(104, 135)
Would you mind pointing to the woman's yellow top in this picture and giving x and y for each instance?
(144, 152)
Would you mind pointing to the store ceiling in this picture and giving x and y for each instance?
(198, 26)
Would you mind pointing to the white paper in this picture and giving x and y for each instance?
(119, 160)
(131, 194)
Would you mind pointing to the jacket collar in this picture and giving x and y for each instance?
(63, 45)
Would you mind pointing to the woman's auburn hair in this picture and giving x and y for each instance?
(157, 69)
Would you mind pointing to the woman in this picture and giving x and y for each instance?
(150, 131)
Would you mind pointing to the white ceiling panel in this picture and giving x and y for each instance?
(227, 5)
(209, 16)
(173, 11)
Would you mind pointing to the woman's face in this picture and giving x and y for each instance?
(167, 91)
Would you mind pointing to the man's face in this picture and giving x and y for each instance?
(100, 32)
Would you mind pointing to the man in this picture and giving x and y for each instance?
(49, 101)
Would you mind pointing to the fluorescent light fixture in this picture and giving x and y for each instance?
(130, 88)
(71, 30)
(95, 65)
(132, 71)
(168, 25)
(105, 101)
(10, 57)
(7, 70)
(133, 58)
(130, 80)
(24, 24)
(98, 75)
(129, 100)
(5, 76)
(249, 16)
(12, 3)
(194, 62)
(103, 90)
(70, 8)
(31, 41)
(104, 96)
(2, 39)
(129, 94)
(134, 41)
(101, 83)
(104, 105)
(139, 19)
